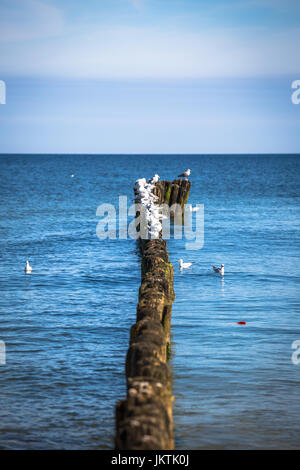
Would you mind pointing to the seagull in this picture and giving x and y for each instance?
(183, 265)
(154, 179)
(185, 174)
(219, 270)
(72, 175)
(28, 268)
(193, 209)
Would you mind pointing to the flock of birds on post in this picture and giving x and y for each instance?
(153, 214)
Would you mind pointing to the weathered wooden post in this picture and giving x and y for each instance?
(144, 419)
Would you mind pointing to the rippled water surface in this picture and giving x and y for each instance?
(66, 326)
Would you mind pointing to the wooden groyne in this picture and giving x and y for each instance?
(144, 419)
(176, 192)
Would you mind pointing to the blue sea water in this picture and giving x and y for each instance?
(66, 326)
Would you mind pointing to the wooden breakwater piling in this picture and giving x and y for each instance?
(144, 419)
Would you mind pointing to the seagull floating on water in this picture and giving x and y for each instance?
(219, 270)
(193, 209)
(28, 268)
(185, 174)
(183, 265)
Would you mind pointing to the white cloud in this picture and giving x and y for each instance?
(22, 20)
(126, 53)
(34, 41)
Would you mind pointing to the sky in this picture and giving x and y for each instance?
(149, 76)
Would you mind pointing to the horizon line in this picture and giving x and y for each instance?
(148, 154)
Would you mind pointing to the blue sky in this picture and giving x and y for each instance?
(149, 76)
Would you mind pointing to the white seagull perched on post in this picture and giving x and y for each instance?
(183, 265)
(185, 174)
(28, 268)
(219, 270)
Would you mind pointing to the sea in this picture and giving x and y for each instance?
(64, 328)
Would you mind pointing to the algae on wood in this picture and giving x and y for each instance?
(144, 419)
